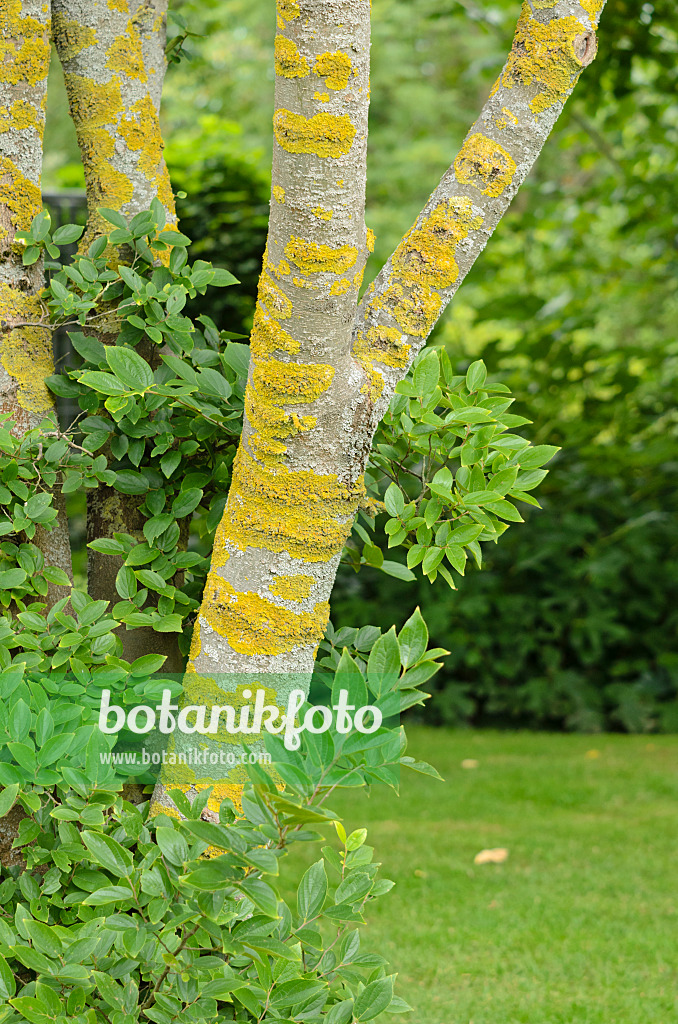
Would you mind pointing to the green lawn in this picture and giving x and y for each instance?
(579, 925)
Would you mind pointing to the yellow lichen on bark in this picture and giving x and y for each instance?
(288, 61)
(20, 195)
(321, 213)
(26, 352)
(485, 164)
(424, 264)
(340, 287)
(306, 514)
(21, 116)
(24, 46)
(312, 258)
(73, 37)
(380, 345)
(593, 9)
(288, 10)
(544, 54)
(269, 337)
(335, 68)
(254, 625)
(506, 118)
(125, 57)
(281, 383)
(292, 588)
(325, 135)
(426, 254)
(274, 299)
(141, 130)
(278, 193)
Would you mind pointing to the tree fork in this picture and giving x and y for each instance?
(319, 384)
(26, 356)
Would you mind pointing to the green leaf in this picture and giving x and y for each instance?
(108, 852)
(104, 383)
(261, 894)
(129, 367)
(394, 501)
(186, 502)
(421, 766)
(174, 238)
(31, 1010)
(11, 578)
(537, 456)
(413, 639)
(20, 721)
(44, 938)
(373, 999)
(173, 845)
(126, 583)
(113, 217)
(55, 575)
(505, 510)
(54, 748)
(108, 894)
(222, 277)
(169, 462)
(383, 666)
(432, 559)
(107, 546)
(147, 665)
(456, 556)
(67, 234)
(127, 481)
(89, 348)
(8, 799)
(476, 375)
(427, 373)
(397, 569)
(7, 983)
(312, 891)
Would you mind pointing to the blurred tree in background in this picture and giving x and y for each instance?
(573, 624)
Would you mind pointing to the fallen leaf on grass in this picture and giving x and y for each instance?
(496, 856)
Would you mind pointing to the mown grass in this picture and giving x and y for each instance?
(579, 925)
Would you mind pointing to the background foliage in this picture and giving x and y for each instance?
(572, 621)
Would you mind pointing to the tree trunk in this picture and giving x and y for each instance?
(26, 356)
(322, 370)
(113, 57)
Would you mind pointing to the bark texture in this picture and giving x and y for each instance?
(113, 55)
(322, 370)
(26, 357)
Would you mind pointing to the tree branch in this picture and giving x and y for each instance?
(554, 41)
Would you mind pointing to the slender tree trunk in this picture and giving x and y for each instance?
(322, 369)
(26, 357)
(114, 65)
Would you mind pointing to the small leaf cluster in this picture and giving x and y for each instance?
(392, 666)
(161, 399)
(446, 462)
(38, 241)
(30, 466)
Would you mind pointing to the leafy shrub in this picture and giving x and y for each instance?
(109, 914)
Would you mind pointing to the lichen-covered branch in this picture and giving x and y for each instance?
(26, 357)
(290, 510)
(554, 41)
(113, 55)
